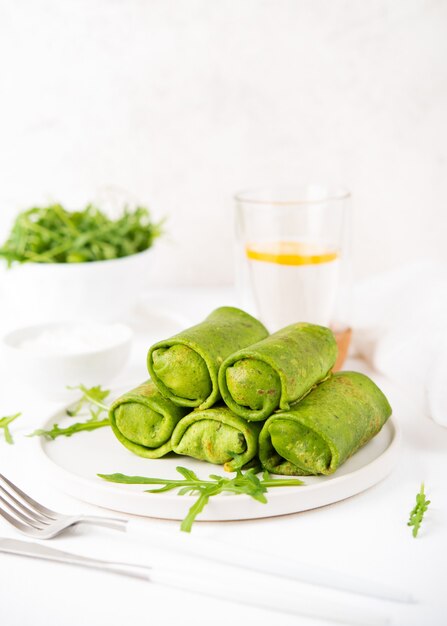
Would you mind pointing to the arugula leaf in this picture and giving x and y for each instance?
(417, 513)
(198, 506)
(247, 483)
(4, 423)
(92, 398)
(93, 395)
(91, 424)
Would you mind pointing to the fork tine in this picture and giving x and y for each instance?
(18, 514)
(20, 507)
(36, 505)
(27, 530)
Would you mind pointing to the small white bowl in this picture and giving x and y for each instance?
(49, 371)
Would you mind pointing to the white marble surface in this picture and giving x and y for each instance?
(366, 535)
(183, 103)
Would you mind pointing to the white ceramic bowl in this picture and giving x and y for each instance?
(49, 373)
(99, 290)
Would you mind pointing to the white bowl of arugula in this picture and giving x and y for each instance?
(64, 265)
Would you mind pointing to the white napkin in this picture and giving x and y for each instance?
(400, 327)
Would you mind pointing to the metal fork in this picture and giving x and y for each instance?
(35, 520)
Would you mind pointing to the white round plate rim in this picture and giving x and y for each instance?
(168, 505)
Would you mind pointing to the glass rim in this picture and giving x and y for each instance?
(254, 195)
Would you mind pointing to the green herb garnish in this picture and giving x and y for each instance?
(247, 483)
(55, 235)
(91, 424)
(4, 423)
(92, 398)
(417, 514)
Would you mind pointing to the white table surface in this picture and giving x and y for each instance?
(365, 535)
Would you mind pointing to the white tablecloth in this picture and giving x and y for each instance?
(365, 535)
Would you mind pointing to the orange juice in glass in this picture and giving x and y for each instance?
(291, 245)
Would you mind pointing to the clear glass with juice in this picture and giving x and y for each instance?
(292, 249)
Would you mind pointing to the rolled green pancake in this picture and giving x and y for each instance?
(184, 368)
(277, 371)
(217, 436)
(331, 423)
(143, 421)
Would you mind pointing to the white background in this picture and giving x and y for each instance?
(181, 103)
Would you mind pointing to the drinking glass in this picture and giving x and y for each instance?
(292, 254)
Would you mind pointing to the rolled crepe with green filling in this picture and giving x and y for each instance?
(143, 421)
(325, 428)
(277, 371)
(184, 368)
(217, 436)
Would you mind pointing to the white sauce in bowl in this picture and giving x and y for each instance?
(73, 338)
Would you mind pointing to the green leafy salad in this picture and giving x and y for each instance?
(54, 235)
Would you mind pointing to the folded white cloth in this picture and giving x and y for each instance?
(399, 321)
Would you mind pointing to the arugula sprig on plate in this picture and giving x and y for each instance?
(247, 483)
(92, 398)
(91, 424)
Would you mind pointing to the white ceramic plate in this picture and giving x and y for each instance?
(72, 465)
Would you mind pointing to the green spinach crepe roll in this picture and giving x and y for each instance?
(325, 428)
(143, 421)
(184, 368)
(277, 371)
(218, 436)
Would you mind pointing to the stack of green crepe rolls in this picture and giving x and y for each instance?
(227, 392)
